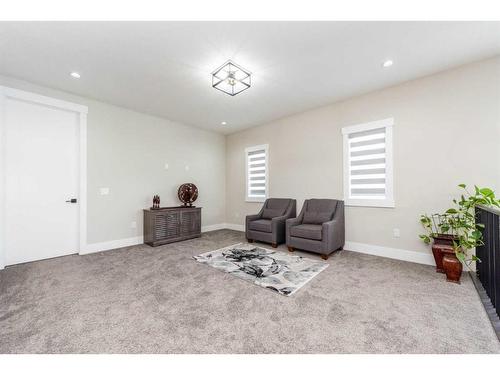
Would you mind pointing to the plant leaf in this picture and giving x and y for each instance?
(487, 192)
(460, 256)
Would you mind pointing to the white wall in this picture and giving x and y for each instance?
(127, 152)
(446, 132)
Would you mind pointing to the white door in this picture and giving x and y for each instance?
(41, 174)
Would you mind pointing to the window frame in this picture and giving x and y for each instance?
(388, 201)
(265, 148)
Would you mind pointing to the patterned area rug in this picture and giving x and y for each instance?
(274, 270)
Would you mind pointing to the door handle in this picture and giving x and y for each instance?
(72, 200)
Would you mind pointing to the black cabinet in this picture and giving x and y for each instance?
(171, 224)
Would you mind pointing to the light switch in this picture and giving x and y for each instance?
(104, 191)
(133, 225)
(166, 166)
(187, 167)
(396, 233)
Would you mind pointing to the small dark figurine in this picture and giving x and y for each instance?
(187, 194)
(156, 202)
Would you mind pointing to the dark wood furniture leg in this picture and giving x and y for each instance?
(291, 249)
(274, 245)
(324, 256)
(250, 240)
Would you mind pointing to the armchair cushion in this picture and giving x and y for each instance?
(311, 217)
(309, 231)
(319, 211)
(261, 225)
(269, 213)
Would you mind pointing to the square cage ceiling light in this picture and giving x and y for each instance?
(231, 78)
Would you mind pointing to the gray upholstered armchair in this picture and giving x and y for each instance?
(269, 224)
(318, 228)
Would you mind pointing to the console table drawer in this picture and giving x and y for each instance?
(190, 222)
(166, 226)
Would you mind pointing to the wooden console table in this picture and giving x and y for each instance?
(171, 224)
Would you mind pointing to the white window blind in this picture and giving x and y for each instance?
(257, 173)
(368, 179)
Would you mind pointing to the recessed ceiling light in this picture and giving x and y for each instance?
(75, 75)
(387, 63)
(223, 123)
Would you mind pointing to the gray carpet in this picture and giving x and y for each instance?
(160, 300)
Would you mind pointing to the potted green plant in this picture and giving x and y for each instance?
(455, 232)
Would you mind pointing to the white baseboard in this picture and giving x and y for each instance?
(124, 242)
(110, 245)
(238, 227)
(210, 228)
(382, 251)
(390, 252)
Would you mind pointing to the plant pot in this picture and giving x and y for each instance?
(438, 258)
(441, 241)
(452, 266)
(444, 239)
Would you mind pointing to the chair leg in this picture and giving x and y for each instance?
(291, 249)
(274, 245)
(250, 240)
(324, 256)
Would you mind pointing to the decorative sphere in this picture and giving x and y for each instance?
(187, 193)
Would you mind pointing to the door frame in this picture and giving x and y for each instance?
(81, 111)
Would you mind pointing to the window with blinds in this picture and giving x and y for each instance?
(368, 164)
(257, 173)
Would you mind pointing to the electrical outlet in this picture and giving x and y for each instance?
(133, 225)
(104, 191)
(236, 214)
(186, 167)
(396, 233)
(166, 166)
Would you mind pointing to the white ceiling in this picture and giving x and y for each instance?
(163, 68)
